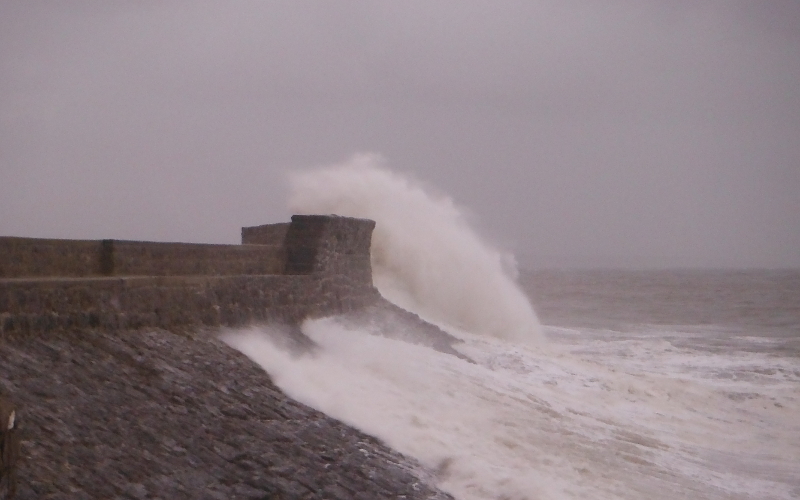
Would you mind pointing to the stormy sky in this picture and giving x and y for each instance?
(576, 133)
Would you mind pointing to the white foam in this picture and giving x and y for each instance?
(531, 422)
(425, 256)
(589, 414)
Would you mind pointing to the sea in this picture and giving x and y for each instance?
(573, 384)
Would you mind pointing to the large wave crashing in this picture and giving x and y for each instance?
(425, 256)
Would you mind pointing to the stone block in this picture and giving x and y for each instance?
(268, 234)
(36, 257)
(328, 244)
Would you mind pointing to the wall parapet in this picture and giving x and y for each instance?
(315, 266)
(34, 257)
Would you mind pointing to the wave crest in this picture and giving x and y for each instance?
(425, 256)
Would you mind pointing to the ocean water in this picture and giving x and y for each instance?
(627, 385)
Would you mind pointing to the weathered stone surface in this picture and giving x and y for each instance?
(136, 258)
(53, 284)
(37, 258)
(268, 234)
(330, 245)
(48, 257)
(117, 404)
(9, 448)
(153, 414)
(171, 302)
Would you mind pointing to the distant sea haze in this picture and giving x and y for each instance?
(653, 384)
(763, 303)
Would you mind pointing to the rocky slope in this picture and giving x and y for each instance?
(156, 414)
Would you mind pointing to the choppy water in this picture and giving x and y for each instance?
(763, 303)
(613, 406)
(730, 339)
(656, 385)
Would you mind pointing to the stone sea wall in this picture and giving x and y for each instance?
(109, 350)
(315, 266)
(34, 257)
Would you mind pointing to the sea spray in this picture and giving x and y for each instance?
(596, 416)
(425, 256)
(432, 406)
(593, 413)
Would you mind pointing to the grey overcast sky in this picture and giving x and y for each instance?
(577, 133)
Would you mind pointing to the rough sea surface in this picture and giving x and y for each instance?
(614, 385)
(651, 384)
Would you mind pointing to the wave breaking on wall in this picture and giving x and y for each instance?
(425, 256)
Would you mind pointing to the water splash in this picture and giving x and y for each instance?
(425, 256)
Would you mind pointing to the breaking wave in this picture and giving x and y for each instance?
(425, 256)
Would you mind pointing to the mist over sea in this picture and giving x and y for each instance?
(627, 385)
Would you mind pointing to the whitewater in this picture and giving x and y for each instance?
(560, 411)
